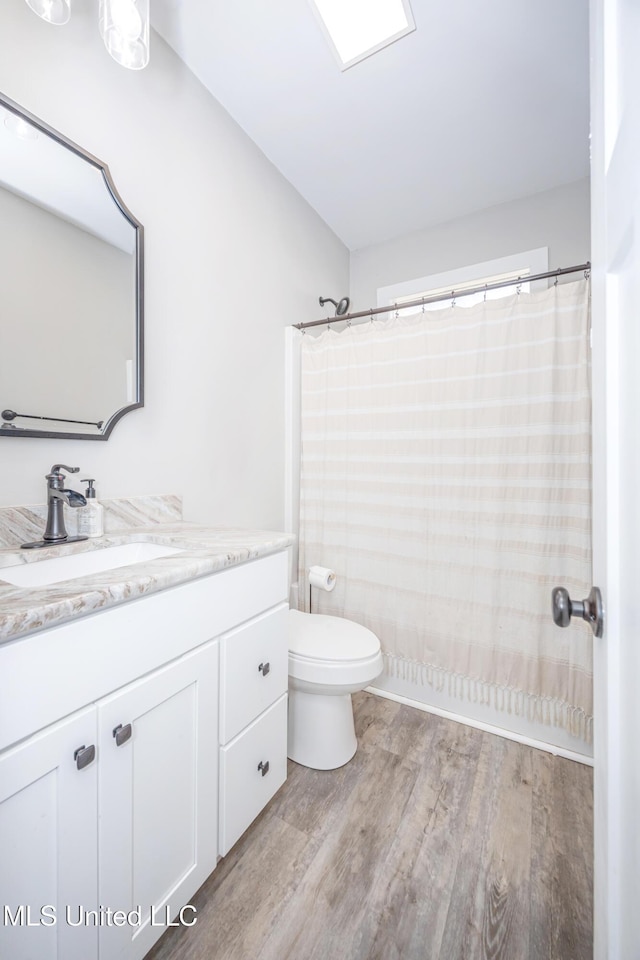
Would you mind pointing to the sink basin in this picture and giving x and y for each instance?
(41, 573)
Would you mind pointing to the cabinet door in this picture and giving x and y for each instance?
(157, 798)
(48, 844)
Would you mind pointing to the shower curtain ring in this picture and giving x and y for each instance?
(518, 289)
(453, 299)
(485, 293)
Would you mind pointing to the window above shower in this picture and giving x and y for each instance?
(514, 267)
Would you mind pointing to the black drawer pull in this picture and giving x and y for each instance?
(83, 756)
(122, 734)
(264, 668)
(264, 767)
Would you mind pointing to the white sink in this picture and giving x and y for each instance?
(41, 573)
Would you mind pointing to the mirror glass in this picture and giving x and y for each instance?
(70, 290)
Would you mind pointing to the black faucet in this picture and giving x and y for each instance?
(57, 496)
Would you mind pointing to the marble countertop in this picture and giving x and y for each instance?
(207, 549)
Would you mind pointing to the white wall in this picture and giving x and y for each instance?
(557, 219)
(232, 256)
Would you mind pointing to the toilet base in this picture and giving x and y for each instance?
(321, 731)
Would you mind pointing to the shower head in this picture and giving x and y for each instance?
(341, 307)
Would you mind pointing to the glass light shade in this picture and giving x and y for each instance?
(53, 11)
(124, 25)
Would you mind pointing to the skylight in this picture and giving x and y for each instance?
(358, 28)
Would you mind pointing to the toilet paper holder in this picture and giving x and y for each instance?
(321, 577)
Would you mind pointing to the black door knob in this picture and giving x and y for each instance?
(591, 609)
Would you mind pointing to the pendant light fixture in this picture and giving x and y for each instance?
(125, 30)
(123, 26)
(53, 11)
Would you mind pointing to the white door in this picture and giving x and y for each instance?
(615, 93)
(48, 843)
(157, 798)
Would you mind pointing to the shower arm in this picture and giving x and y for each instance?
(341, 306)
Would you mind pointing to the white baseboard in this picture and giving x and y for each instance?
(487, 727)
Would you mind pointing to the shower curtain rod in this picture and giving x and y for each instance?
(452, 295)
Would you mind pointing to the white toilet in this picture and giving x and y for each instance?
(329, 659)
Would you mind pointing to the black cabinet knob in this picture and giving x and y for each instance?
(122, 734)
(83, 756)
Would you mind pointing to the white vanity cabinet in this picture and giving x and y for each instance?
(116, 807)
(159, 693)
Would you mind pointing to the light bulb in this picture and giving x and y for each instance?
(53, 11)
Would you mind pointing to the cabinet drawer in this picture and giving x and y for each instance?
(244, 788)
(254, 670)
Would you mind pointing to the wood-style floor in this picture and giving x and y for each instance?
(436, 842)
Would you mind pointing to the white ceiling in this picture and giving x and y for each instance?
(483, 103)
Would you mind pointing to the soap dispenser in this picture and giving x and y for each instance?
(90, 518)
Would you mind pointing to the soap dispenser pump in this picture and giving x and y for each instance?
(90, 520)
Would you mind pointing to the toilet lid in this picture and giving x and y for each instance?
(321, 637)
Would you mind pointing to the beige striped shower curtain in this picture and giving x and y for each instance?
(445, 477)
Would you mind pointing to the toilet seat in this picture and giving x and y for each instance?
(331, 650)
(326, 638)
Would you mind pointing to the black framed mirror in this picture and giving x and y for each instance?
(71, 287)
